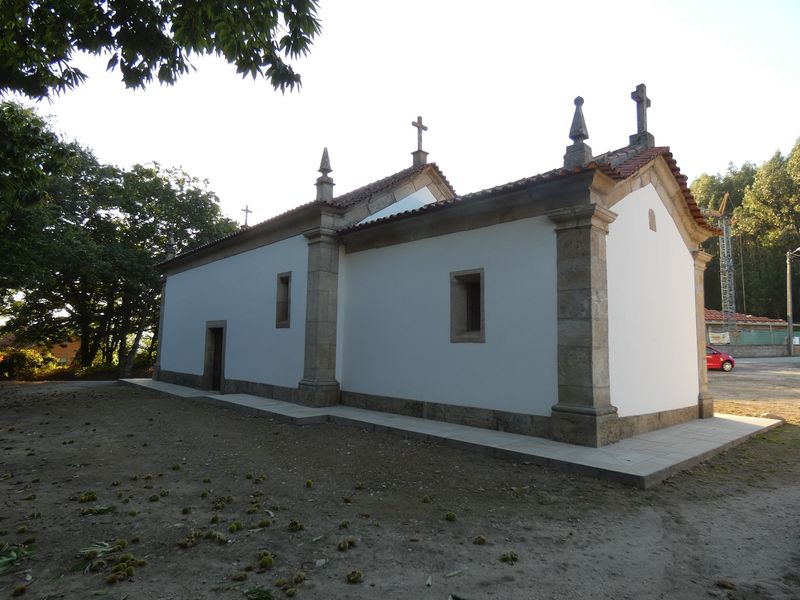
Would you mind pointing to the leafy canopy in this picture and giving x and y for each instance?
(765, 215)
(82, 263)
(150, 38)
(29, 153)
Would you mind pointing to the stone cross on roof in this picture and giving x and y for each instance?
(246, 210)
(420, 128)
(639, 95)
(420, 156)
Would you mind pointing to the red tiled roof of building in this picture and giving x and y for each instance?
(499, 189)
(626, 161)
(712, 315)
(344, 201)
(376, 187)
(618, 165)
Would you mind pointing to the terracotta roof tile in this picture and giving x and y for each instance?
(618, 164)
(716, 315)
(376, 187)
(258, 226)
(499, 189)
(343, 201)
(626, 161)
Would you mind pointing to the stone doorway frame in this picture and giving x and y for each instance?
(208, 359)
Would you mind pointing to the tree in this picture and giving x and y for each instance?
(765, 221)
(90, 254)
(30, 155)
(770, 218)
(709, 190)
(150, 38)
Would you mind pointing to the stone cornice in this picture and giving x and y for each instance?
(321, 234)
(701, 259)
(585, 215)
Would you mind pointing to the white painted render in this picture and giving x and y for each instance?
(241, 290)
(652, 337)
(396, 331)
(416, 200)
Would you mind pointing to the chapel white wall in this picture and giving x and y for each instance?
(241, 290)
(395, 337)
(652, 335)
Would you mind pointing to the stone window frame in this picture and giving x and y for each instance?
(283, 300)
(459, 282)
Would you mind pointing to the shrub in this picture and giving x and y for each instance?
(25, 363)
(97, 371)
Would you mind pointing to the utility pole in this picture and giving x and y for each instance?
(789, 324)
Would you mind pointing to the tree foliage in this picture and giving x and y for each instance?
(709, 190)
(150, 38)
(765, 216)
(29, 153)
(86, 266)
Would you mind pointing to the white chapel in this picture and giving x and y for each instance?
(567, 305)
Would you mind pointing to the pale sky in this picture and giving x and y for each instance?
(494, 82)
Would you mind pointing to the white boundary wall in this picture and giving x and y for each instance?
(241, 290)
(652, 335)
(395, 333)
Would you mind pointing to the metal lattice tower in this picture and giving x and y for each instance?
(726, 275)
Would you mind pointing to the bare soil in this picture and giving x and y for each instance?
(406, 512)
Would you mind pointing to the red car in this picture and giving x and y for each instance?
(716, 359)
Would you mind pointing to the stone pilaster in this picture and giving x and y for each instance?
(584, 414)
(319, 386)
(705, 401)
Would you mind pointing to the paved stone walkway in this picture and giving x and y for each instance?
(643, 460)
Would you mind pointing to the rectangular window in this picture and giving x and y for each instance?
(467, 323)
(283, 300)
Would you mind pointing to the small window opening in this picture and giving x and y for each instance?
(282, 305)
(472, 289)
(467, 322)
(651, 217)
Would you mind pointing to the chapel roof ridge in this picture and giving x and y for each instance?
(354, 196)
(502, 188)
(345, 200)
(618, 164)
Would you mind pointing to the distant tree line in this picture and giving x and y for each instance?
(80, 240)
(764, 205)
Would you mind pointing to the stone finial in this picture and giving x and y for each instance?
(172, 249)
(642, 136)
(578, 131)
(419, 155)
(579, 153)
(325, 163)
(324, 182)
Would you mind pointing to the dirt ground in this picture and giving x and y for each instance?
(405, 512)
